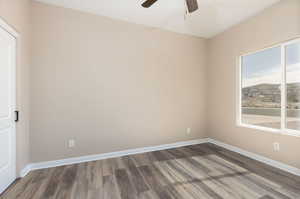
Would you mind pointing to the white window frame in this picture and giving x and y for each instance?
(283, 130)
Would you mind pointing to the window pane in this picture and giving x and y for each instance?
(293, 86)
(261, 94)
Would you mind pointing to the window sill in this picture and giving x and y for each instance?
(275, 131)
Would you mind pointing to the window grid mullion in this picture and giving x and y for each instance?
(283, 88)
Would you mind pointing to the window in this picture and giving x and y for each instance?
(293, 86)
(269, 89)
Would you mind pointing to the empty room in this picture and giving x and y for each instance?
(149, 99)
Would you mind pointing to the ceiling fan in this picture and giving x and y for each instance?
(192, 5)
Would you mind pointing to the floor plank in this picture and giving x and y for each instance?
(199, 171)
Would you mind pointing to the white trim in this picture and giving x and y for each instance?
(25, 170)
(238, 91)
(289, 132)
(257, 157)
(283, 87)
(260, 128)
(261, 50)
(286, 42)
(8, 28)
(14, 87)
(283, 130)
(292, 41)
(15, 35)
(76, 160)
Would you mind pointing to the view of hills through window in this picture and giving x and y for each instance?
(261, 87)
(293, 86)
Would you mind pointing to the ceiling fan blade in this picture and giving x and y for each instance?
(148, 3)
(192, 5)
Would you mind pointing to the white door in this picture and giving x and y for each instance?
(7, 108)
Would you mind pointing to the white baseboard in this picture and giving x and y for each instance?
(25, 170)
(257, 157)
(76, 160)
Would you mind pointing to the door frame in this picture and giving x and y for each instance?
(10, 30)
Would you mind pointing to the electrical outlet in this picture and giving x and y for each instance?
(188, 131)
(71, 143)
(276, 146)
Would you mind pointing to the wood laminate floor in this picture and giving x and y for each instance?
(200, 171)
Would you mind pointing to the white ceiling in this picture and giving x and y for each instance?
(213, 16)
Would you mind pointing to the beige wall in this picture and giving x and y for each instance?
(111, 85)
(17, 14)
(126, 86)
(276, 24)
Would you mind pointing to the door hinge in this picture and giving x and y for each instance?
(16, 116)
